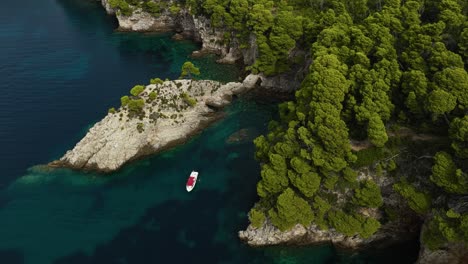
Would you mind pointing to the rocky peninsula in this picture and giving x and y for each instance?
(116, 140)
(172, 112)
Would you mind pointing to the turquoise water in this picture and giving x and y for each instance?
(62, 66)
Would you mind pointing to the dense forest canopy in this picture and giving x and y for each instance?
(374, 64)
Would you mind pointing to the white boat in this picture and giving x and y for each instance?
(192, 180)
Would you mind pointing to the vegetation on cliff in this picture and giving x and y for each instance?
(375, 64)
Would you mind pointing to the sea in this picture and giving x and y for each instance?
(63, 64)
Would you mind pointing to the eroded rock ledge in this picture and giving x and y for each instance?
(167, 120)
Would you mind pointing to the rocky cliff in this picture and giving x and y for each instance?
(451, 253)
(168, 117)
(213, 40)
(401, 228)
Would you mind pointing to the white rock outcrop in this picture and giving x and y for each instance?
(143, 21)
(164, 122)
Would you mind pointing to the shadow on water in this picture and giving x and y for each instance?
(88, 14)
(11, 256)
(173, 232)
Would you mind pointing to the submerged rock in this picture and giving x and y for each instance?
(162, 123)
(240, 136)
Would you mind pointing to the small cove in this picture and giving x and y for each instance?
(62, 67)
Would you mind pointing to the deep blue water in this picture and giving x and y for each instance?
(62, 66)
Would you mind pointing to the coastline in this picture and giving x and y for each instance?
(162, 123)
(227, 52)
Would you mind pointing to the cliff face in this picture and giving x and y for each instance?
(107, 7)
(403, 228)
(213, 40)
(454, 253)
(163, 122)
(142, 21)
(451, 253)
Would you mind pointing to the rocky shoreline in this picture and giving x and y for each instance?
(113, 140)
(168, 120)
(213, 40)
(404, 227)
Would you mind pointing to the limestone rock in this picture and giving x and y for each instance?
(106, 5)
(167, 121)
(454, 253)
(142, 21)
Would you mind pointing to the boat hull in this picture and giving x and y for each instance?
(191, 181)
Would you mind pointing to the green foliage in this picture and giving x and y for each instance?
(189, 100)
(156, 81)
(445, 227)
(137, 90)
(124, 100)
(376, 131)
(455, 82)
(321, 208)
(188, 69)
(289, 210)
(152, 8)
(369, 156)
(273, 181)
(459, 135)
(371, 61)
(140, 127)
(174, 9)
(391, 166)
(111, 110)
(122, 6)
(351, 225)
(136, 105)
(307, 183)
(369, 195)
(441, 102)
(152, 96)
(350, 175)
(419, 202)
(446, 175)
(330, 182)
(256, 218)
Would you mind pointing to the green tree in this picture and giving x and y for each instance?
(124, 100)
(273, 181)
(376, 131)
(156, 81)
(189, 100)
(446, 175)
(290, 209)
(420, 202)
(458, 132)
(188, 70)
(152, 96)
(136, 105)
(307, 183)
(440, 102)
(137, 90)
(256, 218)
(455, 82)
(369, 195)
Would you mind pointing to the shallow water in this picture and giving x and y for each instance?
(61, 67)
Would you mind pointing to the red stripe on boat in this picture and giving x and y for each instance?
(190, 181)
